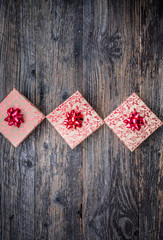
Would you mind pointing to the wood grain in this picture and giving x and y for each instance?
(58, 186)
(110, 173)
(151, 154)
(100, 190)
(17, 165)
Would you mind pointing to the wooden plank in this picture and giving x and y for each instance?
(99, 190)
(151, 154)
(111, 74)
(58, 183)
(17, 165)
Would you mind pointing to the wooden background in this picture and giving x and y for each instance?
(106, 49)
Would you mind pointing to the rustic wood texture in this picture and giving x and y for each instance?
(106, 49)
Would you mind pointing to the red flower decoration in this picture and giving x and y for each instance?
(74, 119)
(14, 117)
(134, 121)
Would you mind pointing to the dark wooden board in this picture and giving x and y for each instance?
(100, 190)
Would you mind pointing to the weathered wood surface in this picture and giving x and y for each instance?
(100, 190)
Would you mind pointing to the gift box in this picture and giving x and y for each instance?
(23, 111)
(133, 122)
(75, 108)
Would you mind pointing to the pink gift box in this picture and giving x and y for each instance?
(132, 139)
(31, 115)
(91, 120)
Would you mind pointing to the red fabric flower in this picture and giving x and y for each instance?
(14, 117)
(134, 121)
(73, 119)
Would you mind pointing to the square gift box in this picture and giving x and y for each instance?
(133, 138)
(31, 115)
(91, 121)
